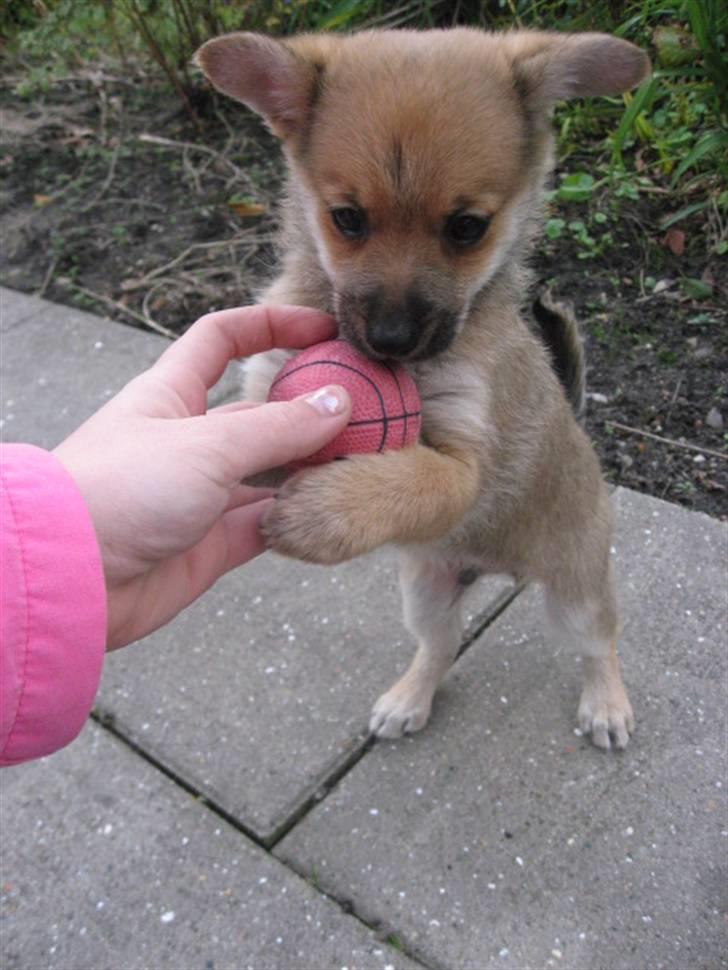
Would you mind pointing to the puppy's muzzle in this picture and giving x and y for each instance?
(394, 329)
(406, 329)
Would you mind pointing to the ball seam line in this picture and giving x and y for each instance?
(401, 398)
(391, 418)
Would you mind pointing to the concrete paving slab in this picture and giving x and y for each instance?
(500, 838)
(58, 365)
(262, 690)
(16, 307)
(106, 863)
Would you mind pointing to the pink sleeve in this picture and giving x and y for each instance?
(52, 606)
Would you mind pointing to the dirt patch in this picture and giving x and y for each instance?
(657, 357)
(112, 201)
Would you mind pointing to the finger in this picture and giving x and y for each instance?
(234, 406)
(217, 338)
(247, 495)
(242, 531)
(238, 533)
(275, 434)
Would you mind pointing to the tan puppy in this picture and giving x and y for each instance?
(417, 165)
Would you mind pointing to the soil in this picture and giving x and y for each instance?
(113, 201)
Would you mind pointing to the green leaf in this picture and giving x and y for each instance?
(576, 187)
(554, 228)
(696, 289)
(674, 45)
(627, 190)
(642, 99)
(342, 13)
(683, 213)
(710, 142)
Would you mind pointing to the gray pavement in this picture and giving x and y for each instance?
(225, 808)
(500, 838)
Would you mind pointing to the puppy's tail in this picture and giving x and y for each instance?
(560, 332)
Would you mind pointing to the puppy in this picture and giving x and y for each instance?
(417, 167)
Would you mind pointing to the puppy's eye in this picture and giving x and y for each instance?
(350, 222)
(463, 229)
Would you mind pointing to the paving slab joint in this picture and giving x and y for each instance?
(365, 744)
(481, 622)
(106, 720)
(323, 787)
(383, 931)
(310, 800)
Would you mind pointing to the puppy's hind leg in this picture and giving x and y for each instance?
(604, 709)
(431, 593)
(589, 624)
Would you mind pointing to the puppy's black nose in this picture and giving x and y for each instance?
(391, 339)
(394, 329)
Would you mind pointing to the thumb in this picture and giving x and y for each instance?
(279, 432)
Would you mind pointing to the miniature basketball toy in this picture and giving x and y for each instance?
(386, 413)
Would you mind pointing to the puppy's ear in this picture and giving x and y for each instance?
(265, 74)
(551, 67)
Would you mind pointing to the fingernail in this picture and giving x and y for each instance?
(328, 400)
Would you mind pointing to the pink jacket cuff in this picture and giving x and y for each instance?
(52, 606)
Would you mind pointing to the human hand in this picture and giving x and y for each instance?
(161, 476)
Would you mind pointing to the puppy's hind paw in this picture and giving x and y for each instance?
(607, 718)
(400, 711)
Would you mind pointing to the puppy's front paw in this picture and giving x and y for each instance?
(306, 521)
(606, 713)
(402, 710)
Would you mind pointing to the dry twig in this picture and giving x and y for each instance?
(247, 239)
(671, 405)
(147, 321)
(48, 276)
(85, 77)
(191, 146)
(107, 181)
(666, 441)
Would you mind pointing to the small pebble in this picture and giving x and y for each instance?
(714, 419)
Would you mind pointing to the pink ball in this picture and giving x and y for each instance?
(386, 412)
